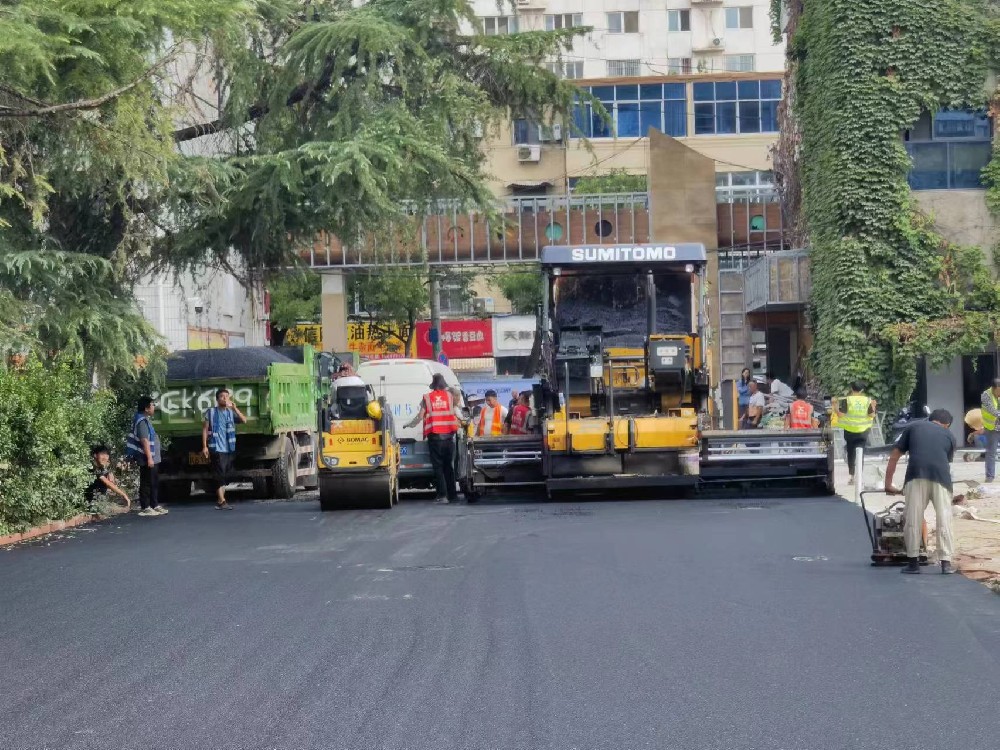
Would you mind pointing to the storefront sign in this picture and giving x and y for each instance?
(513, 334)
(305, 333)
(202, 338)
(377, 340)
(565, 255)
(459, 339)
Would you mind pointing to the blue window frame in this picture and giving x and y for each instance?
(634, 109)
(729, 107)
(949, 150)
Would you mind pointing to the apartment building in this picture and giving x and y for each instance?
(704, 71)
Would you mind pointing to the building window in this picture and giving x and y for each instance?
(739, 63)
(739, 18)
(623, 22)
(635, 108)
(623, 68)
(454, 299)
(949, 150)
(566, 69)
(526, 132)
(554, 21)
(755, 185)
(729, 107)
(678, 65)
(497, 25)
(678, 20)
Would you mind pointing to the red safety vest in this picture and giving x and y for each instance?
(801, 413)
(439, 414)
(496, 421)
(519, 420)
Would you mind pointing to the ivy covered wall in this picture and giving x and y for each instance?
(886, 287)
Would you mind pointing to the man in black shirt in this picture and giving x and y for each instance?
(928, 480)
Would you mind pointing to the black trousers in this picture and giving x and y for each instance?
(442, 450)
(853, 441)
(149, 486)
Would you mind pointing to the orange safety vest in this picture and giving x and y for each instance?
(439, 414)
(801, 413)
(519, 420)
(496, 426)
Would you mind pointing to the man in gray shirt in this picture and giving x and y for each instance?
(931, 447)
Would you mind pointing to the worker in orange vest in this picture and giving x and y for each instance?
(519, 418)
(801, 415)
(442, 419)
(492, 416)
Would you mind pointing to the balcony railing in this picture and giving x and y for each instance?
(749, 223)
(779, 281)
(948, 165)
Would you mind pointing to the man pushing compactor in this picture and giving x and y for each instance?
(931, 448)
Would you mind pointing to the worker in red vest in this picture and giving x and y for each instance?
(520, 413)
(442, 419)
(801, 415)
(492, 416)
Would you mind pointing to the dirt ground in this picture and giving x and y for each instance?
(977, 542)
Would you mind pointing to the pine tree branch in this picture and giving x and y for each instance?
(85, 104)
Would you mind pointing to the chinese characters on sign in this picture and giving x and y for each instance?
(460, 339)
(305, 334)
(377, 340)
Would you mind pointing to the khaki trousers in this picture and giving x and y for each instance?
(920, 492)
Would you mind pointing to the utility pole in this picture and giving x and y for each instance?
(435, 334)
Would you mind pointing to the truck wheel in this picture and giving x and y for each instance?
(283, 476)
(261, 487)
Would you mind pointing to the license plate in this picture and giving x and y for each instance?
(197, 459)
(404, 450)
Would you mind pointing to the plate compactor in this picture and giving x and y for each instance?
(885, 531)
(359, 456)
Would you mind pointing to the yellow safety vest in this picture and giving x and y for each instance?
(989, 421)
(857, 418)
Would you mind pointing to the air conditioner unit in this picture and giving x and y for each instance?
(483, 305)
(718, 42)
(550, 133)
(529, 153)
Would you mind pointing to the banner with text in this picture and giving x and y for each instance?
(460, 339)
(377, 340)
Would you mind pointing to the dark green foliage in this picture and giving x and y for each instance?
(862, 74)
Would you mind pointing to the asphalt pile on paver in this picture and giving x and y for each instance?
(617, 304)
(245, 362)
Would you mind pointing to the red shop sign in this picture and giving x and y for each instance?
(460, 339)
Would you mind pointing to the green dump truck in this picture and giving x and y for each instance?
(280, 390)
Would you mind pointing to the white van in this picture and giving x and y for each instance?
(404, 382)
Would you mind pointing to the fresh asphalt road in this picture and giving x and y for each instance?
(696, 625)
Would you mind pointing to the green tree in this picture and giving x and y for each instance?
(523, 287)
(333, 118)
(613, 181)
(392, 299)
(295, 298)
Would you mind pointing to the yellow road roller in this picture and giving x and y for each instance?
(359, 456)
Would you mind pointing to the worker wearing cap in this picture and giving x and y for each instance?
(856, 420)
(442, 419)
(492, 417)
(991, 410)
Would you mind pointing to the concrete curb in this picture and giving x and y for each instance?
(49, 528)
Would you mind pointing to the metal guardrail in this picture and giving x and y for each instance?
(778, 281)
(749, 223)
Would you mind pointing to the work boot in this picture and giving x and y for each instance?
(912, 565)
(946, 568)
